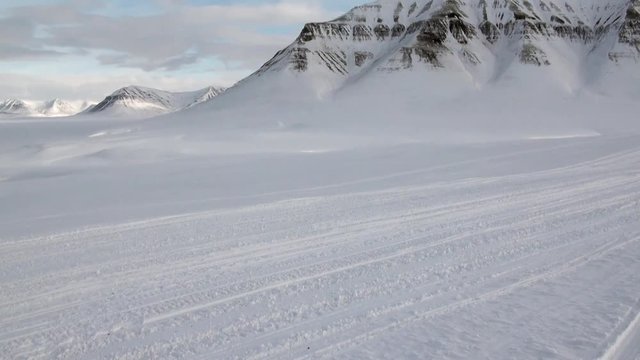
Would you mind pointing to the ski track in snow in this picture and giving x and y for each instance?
(626, 343)
(538, 265)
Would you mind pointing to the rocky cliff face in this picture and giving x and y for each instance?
(398, 35)
(629, 33)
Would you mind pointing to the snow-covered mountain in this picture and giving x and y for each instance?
(59, 107)
(429, 179)
(535, 66)
(14, 107)
(142, 101)
(486, 40)
(131, 101)
(51, 108)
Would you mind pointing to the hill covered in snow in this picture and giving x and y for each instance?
(143, 101)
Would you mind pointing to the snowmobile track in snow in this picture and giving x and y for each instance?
(542, 264)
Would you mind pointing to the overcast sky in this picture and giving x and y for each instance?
(85, 49)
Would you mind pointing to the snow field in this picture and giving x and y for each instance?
(535, 264)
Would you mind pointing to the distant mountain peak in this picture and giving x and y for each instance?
(50, 108)
(206, 94)
(143, 101)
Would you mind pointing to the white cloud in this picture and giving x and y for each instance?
(96, 87)
(161, 49)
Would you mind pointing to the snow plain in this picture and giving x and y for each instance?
(138, 240)
(416, 214)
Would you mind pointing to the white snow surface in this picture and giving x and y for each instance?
(157, 241)
(415, 214)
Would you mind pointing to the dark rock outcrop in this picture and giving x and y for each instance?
(427, 31)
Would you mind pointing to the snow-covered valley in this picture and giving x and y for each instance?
(315, 244)
(436, 180)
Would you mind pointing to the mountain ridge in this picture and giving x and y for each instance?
(50, 108)
(484, 38)
(450, 69)
(132, 100)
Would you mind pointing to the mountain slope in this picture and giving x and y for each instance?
(15, 107)
(142, 101)
(485, 39)
(540, 67)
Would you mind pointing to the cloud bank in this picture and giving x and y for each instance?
(72, 48)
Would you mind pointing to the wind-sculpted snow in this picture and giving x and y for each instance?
(527, 251)
(437, 179)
